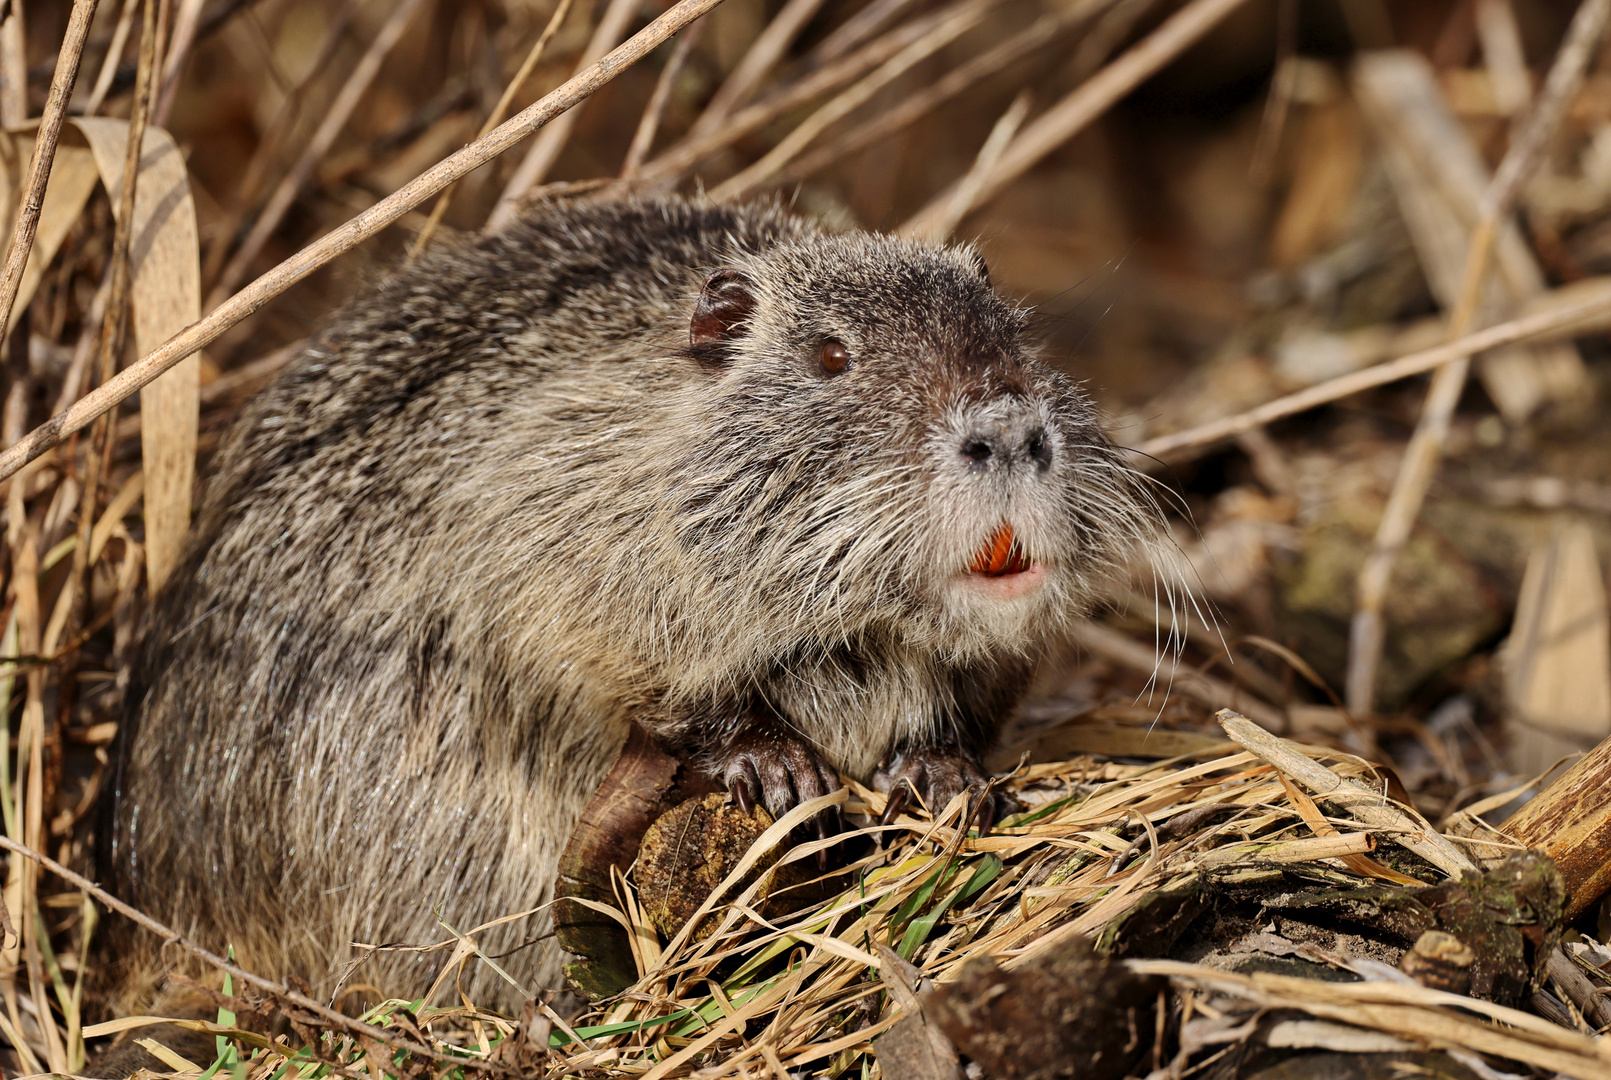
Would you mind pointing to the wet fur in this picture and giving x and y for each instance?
(502, 505)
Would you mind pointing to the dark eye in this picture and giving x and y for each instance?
(834, 357)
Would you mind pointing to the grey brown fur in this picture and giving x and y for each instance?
(503, 504)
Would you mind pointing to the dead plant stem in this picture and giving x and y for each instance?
(113, 57)
(655, 111)
(801, 136)
(763, 55)
(494, 118)
(673, 163)
(1417, 363)
(44, 155)
(1088, 101)
(284, 123)
(1001, 134)
(341, 110)
(546, 148)
(1045, 30)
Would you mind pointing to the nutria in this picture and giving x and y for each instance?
(798, 502)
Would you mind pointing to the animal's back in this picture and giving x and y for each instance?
(327, 738)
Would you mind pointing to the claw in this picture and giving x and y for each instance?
(898, 799)
(741, 795)
(986, 815)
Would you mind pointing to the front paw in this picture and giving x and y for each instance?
(936, 775)
(779, 772)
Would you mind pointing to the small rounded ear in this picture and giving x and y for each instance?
(724, 306)
(980, 265)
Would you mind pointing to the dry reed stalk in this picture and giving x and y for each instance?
(1570, 821)
(175, 57)
(803, 133)
(1368, 631)
(13, 66)
(1090, 100)
(355, 231)
(1371, 807)
(494, 118)
(655, 111)
(857, 29)
(1001, 134)
(674, 163)
(913, 107)
(1525, 328)
(50, 129)
(757, 63)
(113, 57)
(546, 148)
(75, 600)
(269, 144)
(341, 109)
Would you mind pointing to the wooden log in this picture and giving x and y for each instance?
(1570, 821)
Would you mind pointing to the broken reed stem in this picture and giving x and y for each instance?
(1044, 31)
(673, 163)
(279, 990)
(44, 155)
(655, 111)
(114, 320)
(1370, 807)
(1088, 101)
(757, 63)
(290, 185)
(268, 145)
(546, 148)
(113, 57)
(857, 29)
(356, 230)
(1001, 134)
(494, 118)
(803, 133)
(1417, 363)
(1368, 629)
(173, 61)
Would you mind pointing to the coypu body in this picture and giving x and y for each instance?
(796, 502)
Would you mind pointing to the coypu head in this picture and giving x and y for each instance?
(881, 447)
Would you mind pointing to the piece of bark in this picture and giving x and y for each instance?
(1570, 821)
(1068, 1012)
(644, 782)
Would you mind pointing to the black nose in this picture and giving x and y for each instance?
(1000, 446)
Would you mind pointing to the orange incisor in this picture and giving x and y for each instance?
(1001, 555)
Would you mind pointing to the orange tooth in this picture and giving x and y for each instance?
(1000, 555)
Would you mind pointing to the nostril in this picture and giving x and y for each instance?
(1038, 447)
(977, 451)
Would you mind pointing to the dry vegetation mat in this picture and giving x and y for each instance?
(1311, 910)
